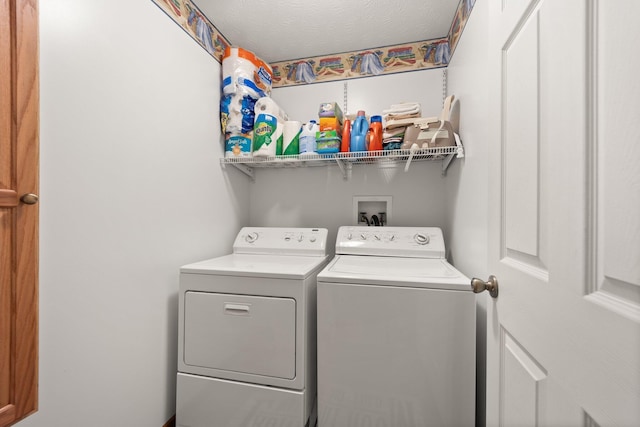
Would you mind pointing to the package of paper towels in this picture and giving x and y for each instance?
(245, 79)
(237, 119)
(268, 128)
(243, 72)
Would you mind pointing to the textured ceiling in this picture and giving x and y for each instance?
(291, 29)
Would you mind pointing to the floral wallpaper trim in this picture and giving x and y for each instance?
(188, 16)
(414, 56)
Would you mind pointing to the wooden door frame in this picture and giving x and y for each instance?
(21, 289)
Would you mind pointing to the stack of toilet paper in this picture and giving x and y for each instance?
(245, 80)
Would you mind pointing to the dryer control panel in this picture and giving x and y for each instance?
(415, 242)
(281, 241)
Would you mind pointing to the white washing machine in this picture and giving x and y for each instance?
(396, 332)
(247, 332)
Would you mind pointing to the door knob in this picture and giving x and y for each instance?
(29, 199)
(491, 285)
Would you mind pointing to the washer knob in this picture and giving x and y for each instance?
(251, 237)
(363, 236)
(421, 239)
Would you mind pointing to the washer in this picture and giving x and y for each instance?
(396, 332)
(247, 332)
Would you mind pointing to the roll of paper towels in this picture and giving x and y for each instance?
(291, 137)
(268, 129)
(267, 135)
(267, 105)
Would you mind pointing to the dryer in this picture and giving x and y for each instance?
(396, 332)
(247, 331)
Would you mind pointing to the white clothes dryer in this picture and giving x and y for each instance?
(247, 332)
(396, 332)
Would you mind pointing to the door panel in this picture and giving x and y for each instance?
(615, 185)
(524, 385)
(522, 145)
(564, 333)
(19, 105)
(6, 215)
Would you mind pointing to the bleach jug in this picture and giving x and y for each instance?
(359, 132)
(308, 137)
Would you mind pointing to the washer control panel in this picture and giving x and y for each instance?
(282, 241)
(417, 242)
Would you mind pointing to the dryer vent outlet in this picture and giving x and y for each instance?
(372, 211)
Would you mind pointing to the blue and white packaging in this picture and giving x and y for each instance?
(308, 138)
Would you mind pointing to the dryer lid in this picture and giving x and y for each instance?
(253, 265)
(394, 271)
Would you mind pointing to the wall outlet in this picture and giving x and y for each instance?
(372, 210)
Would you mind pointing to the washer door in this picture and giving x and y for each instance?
(240, 333)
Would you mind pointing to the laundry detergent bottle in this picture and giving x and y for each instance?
(359, 131)
(375, 134)
(346, 136)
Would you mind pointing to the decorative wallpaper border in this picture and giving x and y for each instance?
(189, 17)
(459, 22)
(435, 53)
(371, 62)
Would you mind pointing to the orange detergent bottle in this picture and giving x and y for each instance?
(346, 136)
(375, 139)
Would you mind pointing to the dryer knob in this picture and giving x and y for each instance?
(349, 236)
(421, 239)
(363, 236)
(251, 237)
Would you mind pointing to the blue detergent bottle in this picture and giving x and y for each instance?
(359, 132)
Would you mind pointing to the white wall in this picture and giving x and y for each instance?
(320, 197)
(467, 180)
(372, 94)
(131, 189)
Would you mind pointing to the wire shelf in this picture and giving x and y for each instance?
(346, 160)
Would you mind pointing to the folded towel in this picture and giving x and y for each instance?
(390, 133)
(392, 138)
(397, 116)
(406, 107)
(410, 121)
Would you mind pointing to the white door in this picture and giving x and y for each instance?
(564, 332)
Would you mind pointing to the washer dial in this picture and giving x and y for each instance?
(421, 239)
